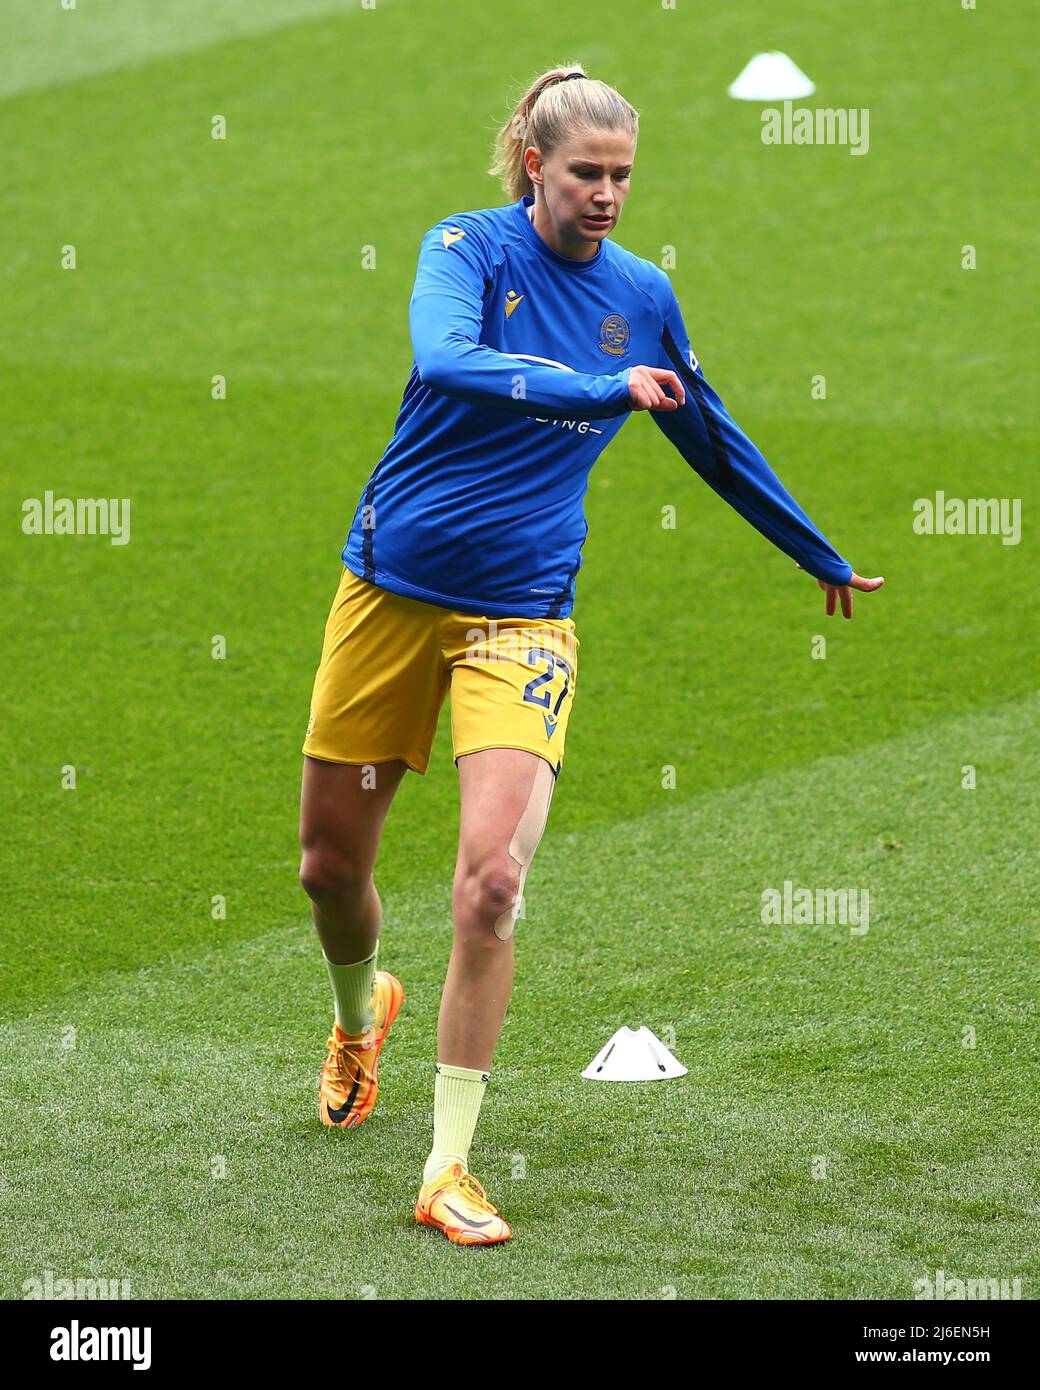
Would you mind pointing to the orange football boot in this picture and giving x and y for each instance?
(455, 1203)
(349, 1081)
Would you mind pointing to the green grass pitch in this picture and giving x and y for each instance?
(859, 1109)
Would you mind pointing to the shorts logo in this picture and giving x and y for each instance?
(614, 334)
(310, 725)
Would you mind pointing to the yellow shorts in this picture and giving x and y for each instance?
(388, 661)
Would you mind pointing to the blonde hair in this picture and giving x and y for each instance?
(554, 110)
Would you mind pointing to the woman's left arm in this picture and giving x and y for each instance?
(718, 450)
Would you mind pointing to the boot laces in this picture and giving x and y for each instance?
(344, 1059)
(472, 1189)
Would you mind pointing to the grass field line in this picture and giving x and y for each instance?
(689, 840)
(51, 48)
(953, 732)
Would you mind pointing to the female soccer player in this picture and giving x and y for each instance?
(535, 337)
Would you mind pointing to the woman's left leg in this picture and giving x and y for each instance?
(512, 686)
(505, 794)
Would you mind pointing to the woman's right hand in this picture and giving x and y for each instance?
(646, 388)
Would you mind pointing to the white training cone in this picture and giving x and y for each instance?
(639, 1056)
(771, 77)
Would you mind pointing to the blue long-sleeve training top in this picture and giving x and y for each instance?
(519, 383)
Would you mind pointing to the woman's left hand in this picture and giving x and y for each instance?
(844, 592)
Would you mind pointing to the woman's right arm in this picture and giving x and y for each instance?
(446, 315)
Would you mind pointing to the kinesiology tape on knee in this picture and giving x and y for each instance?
(525, 840)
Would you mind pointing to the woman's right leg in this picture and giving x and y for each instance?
(342, 810)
